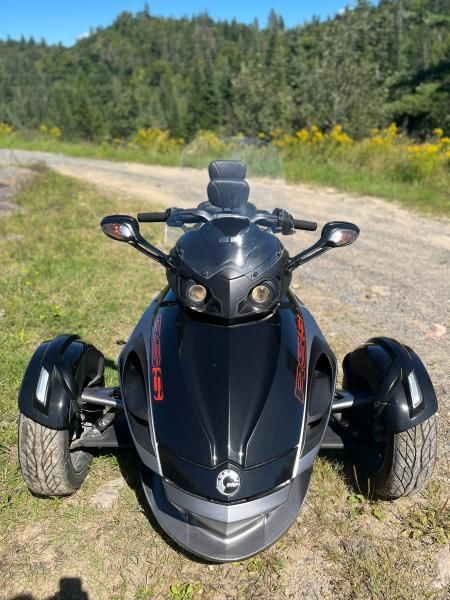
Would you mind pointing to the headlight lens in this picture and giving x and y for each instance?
(196, 293)
(261, 294)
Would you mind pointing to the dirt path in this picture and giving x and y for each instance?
(393, 281)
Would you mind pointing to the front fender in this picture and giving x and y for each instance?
(397, 378)
(55, 377)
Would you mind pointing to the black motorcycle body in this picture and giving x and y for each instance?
(226, 398)
(227, 385)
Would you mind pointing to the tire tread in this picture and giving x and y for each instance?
(45, 460)
(413, 458)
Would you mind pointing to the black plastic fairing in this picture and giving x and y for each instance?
(135, 385)
(381, 367)
(202, 481)
(235, 243)
(229, 391)
(71, 365)
(229, 256)
(322, 375)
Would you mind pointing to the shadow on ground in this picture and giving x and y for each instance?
(70, 588)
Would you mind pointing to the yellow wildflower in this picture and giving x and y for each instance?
(303, 135)
(318, 136)
(438, 132)
(338, 136)
(430, 148)
(55, 132)
(391, 129)
(5, 129)
(390, 133)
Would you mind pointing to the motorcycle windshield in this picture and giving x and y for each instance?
(264, 173)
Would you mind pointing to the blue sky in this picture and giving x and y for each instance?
(63, 21)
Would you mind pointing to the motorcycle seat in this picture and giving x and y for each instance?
(227, 188)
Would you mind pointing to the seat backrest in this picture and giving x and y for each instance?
(227, 169)
(228, 188)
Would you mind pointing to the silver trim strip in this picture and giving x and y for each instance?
(304, 313)
(222, 512)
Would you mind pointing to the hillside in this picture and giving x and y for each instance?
(364, 68)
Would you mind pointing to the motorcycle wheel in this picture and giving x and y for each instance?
(47, 464)
(394, 465)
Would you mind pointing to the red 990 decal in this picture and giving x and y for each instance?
(156, 374)
(300, 379)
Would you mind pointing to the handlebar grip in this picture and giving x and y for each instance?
(305, 225)
(156, 217)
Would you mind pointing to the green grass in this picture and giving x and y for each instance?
(60, 274)
(426, 198)
(84, 149)
(428, 195)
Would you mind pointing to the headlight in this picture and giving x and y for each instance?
(261, 294)
(196, 293)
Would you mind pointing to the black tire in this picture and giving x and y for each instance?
(47, 465)
(408, 461)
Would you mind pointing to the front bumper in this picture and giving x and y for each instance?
(224, 532)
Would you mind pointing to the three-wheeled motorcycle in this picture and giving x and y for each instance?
(227, 385)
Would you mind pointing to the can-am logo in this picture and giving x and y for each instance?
(228, 482)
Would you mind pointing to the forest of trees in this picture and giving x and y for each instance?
(365, 67)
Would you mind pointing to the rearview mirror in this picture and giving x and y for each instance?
(338, 233)
(121, 227)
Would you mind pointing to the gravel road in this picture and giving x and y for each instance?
(393, 281)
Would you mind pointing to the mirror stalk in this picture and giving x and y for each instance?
(303, 257)
(151, 252)
(335, 234)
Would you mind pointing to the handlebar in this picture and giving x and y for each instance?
(156, 217)
(305, 225)
(196, 215)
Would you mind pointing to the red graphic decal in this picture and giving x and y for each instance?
(156, 374)
(157, 384)
(157, 326)
(156, 351)
(300, 379)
